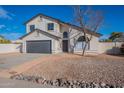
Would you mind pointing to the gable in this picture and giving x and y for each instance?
(41, 23)
(42, 16)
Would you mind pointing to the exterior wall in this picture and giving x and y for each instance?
(93, 46)
(10, 48)
(96, 47)
(41, 23)
(74, 35)
(110, 47)
(40, 36)
(63, 29)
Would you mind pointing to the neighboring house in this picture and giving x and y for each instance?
(120, 39)
(49, 35)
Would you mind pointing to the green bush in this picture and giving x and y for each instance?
(5, 41)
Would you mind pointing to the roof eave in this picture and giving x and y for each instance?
(37, 30)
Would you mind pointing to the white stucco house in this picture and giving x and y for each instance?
(45, 34)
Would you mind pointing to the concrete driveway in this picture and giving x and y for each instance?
(8, 61)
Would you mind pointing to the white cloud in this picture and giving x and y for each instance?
(2, 26)
(5, 14)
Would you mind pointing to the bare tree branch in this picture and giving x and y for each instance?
(89, 19)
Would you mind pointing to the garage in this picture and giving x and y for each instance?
(39, 46)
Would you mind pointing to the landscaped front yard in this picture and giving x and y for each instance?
(102, 68)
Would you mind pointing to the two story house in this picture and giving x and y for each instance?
(45, 34)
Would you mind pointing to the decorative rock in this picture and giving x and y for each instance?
(40, 80)
(45, 82)
(122, 86)
(64, 83)
(78, 82)
(107, 86)
(111, 86)
(96, 85)
(87, 85)
(36, 79)
(74, 86)
(55, 82)
(82, 85)
(33, 79)
(16, 77)
(102, 85)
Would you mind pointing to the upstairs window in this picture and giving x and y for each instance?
(50, 26)
(65, 35)
(32, 27)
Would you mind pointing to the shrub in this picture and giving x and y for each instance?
(122, 48)
(5, 41)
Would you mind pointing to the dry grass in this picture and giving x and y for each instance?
(102, 68)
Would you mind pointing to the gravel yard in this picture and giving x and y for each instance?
(103, 68)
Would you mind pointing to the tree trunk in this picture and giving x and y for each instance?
(83, 52)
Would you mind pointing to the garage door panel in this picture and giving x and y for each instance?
(39, 46)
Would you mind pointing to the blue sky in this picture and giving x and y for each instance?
(13, 17)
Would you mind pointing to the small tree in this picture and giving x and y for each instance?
(87, 19)
(115, 35)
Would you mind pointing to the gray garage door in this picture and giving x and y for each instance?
(42, 46)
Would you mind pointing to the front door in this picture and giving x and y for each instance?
(65, 45)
